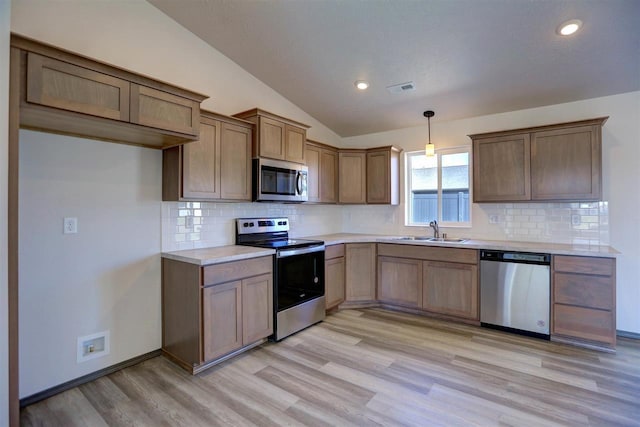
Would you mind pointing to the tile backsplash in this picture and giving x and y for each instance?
(583, 223)
(191, 225)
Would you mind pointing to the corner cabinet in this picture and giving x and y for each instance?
(584, 301)
(561, 162)
(276, 137)
(322, 161)
(360, 272)
(352, 176)
(66, 93)
(215, 167)
(215, 311)
(369, 176)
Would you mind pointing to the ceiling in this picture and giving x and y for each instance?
(466, 57)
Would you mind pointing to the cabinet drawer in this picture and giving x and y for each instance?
(583, 290)
(586, 323)
(431, 253)
(162, 110)
(62, 85)
(585, 265)
(235, 270)
(334, 251)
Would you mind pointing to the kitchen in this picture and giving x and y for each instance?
(127, 254)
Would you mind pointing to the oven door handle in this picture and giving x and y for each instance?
(301, 251)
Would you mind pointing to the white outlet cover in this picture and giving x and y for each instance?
(70, 225)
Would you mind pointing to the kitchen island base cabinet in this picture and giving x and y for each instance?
(212, 312)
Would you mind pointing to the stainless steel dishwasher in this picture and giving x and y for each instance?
(514, 292)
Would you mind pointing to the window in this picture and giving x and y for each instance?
(438, 188)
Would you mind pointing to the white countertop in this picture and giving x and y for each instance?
(217, 255)
(220, 254)
(504, 245)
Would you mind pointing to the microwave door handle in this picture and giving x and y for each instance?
(298, 183)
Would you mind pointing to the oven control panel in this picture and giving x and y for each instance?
(261, 225)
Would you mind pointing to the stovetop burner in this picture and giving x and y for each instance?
(270, 233)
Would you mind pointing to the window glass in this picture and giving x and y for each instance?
(438, 187)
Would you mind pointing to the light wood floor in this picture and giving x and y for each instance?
(370, 367)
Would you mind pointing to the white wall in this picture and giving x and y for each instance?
(105, 277)
(5, 13)
(621, 180)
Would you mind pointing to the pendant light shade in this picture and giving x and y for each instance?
(429, 149)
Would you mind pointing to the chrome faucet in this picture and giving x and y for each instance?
(436, 231)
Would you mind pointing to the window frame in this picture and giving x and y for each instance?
(408, 199)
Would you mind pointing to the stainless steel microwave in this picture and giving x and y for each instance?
(279, 181)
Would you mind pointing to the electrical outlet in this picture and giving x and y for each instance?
(575, 219)
(70, 225)
(493, 219)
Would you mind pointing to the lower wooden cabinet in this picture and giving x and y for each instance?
(400, 281)
(211, 311)
(442, 281)
(451, 288)
(334, 276)
(360, 274)
(583, 309)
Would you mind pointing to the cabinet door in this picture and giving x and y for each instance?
(313, 155)
(162, 110)
(451, 289)
(501, 168)
(329, 176)
(235, 162)
(334, 282)
(222, 319)
(257, 308)
(360, 275)
(566, 164)
(61, 85)
(201, 163)
(295, 142)
(400, 281)
(378, 177)
(352, 176)
(271, 141)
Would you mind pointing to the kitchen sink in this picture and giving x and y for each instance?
(431, 239)
(446, 240)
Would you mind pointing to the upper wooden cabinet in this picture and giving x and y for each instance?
(383, 176)
(216, 167)
(62, 92)
(551, 163)
(352, 176)
(322, 161)
(276, 137)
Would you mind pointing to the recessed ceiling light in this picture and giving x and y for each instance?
(361, 84)
(569, 27)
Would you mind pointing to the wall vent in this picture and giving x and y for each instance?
(402, 87)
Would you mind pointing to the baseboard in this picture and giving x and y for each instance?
(25, 401)
(625, 334)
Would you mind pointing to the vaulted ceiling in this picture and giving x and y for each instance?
(466, 57)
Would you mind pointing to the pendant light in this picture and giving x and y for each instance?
(429, 149)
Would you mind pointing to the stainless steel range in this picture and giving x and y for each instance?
(299, 299)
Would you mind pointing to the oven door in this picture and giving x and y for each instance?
(299, 276)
